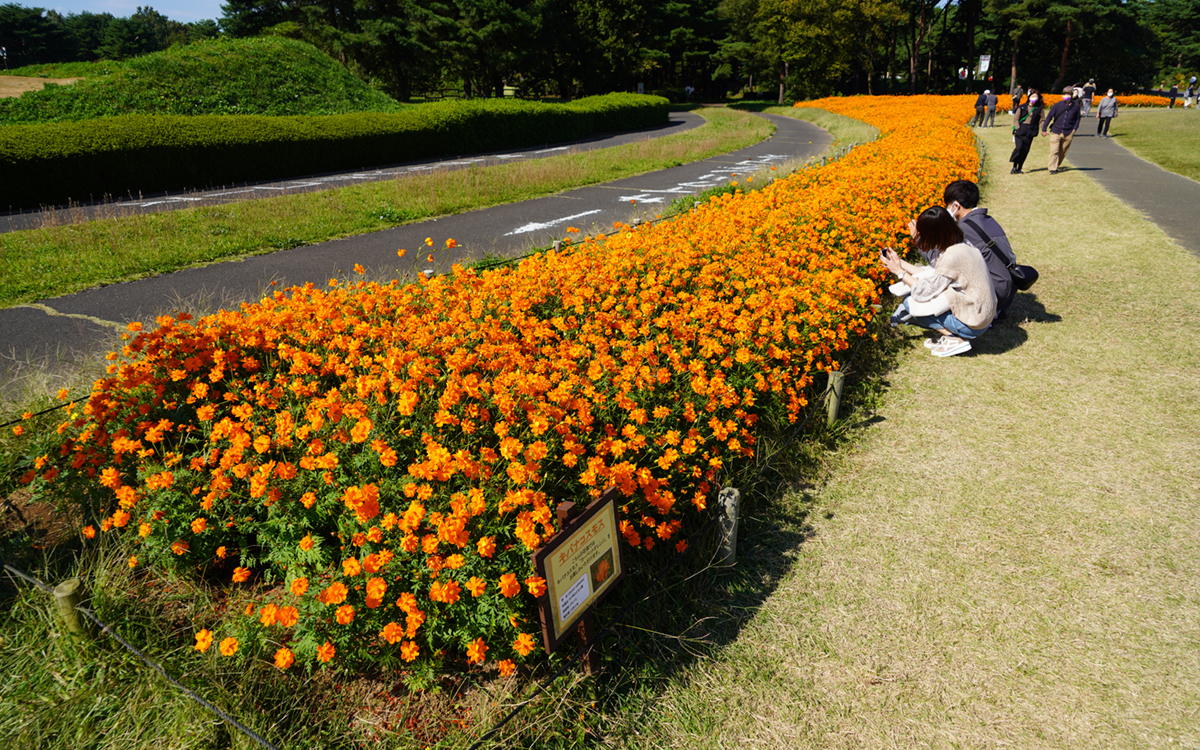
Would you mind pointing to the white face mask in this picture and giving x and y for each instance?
(1066, 97)
(1033, 100)
(1109, 94)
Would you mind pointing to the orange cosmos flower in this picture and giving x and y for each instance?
(507, 667)
(306, 543)
(89, 532)
(133, 562)
(287, 616)
(409, 651)
(509, 586)
(476, 586)
(299, 586)
(179, 547)
(536, 585)
(524, 644)
(326, 652)
(351, 567)
(392, 632)
(476, 651)
(229, 646)
(335, 593)
(345, 614)
(486, 546)
(240, 574)
(199, 525)
(204, 639)
(284, 658)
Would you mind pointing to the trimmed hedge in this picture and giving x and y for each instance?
(79, 161)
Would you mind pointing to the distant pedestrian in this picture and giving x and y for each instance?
(1174, 94)
(992, 102)
(1017, 94)
(1189, 96)
(1105, 113)
(980, 107)
(1029, 116)
(1062, 121)
(1088, 92)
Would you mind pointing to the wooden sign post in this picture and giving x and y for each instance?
(581, 564)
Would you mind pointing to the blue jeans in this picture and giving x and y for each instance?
(945, 321)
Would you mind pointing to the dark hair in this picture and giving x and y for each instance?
(963, 191)
(937, 229)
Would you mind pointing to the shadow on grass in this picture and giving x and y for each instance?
(1010, 333)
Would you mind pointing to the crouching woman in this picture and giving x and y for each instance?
(953, 298)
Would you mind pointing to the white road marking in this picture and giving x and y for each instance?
(536, 226)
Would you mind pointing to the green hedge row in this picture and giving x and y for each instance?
(80, 161)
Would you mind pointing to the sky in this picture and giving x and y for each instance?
(183, 11)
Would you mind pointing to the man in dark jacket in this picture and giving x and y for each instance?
(1062, 120)
(985, 234)
(980, 107)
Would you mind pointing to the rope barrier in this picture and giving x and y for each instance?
(106, 628)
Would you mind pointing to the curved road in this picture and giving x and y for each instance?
(61, 331)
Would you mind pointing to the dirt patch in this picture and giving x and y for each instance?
(17, 85)
(44, 524)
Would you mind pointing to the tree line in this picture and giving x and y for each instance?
(785, 49)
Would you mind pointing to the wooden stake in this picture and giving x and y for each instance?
(728, 500)
(69, 594)
(837, 381)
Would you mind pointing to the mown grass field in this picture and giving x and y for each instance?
(1169, 138)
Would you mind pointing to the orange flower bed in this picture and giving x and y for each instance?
(1138, 100)
(370, 466)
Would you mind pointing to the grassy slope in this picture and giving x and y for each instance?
(1011, 555)
(1168, 137)
(266, 76)
(118, 249)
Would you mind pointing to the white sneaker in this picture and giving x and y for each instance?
(948, 346)
(933, 340)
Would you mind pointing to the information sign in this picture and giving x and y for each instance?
(985, 62)
(581, 564)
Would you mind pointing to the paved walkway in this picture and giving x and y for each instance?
(64, 330)
(1167, 199)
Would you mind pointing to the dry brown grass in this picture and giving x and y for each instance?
(1011, 558)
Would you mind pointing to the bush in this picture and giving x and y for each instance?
(61, 162)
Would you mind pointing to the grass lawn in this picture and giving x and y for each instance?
(1009, 554)
(120, 249)
(1168, 137)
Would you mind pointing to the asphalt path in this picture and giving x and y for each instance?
(1165, 198)
(61, 331)
(677, 122)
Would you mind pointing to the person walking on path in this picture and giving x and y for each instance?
(1088, 92)
(1189, 96)
(1105, 113)
(1017, 93)
(1174, 94)
(980, 106)
(1027, 116)
(992, 102)
(1062, 121)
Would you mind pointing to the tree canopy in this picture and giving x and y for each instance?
(783, 49)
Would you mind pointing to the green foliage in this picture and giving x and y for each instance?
(58, 162)
(267, 76)
(68, 69)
